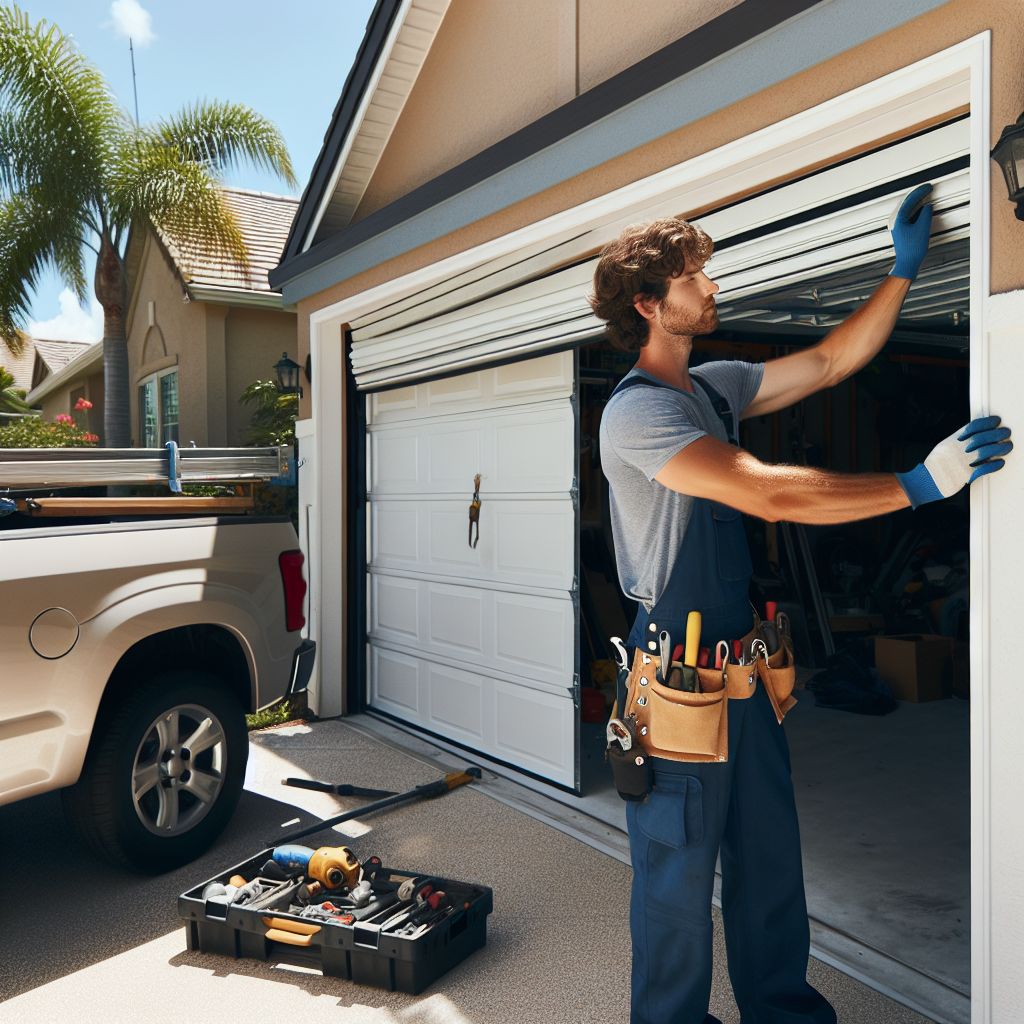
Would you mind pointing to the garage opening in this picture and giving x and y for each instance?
(501, 648)
(880, 734)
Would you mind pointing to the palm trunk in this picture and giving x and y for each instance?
(112, 293)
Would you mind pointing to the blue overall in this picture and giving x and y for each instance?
(744, 806)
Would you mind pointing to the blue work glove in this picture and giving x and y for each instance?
(957, 461)
(910, 231)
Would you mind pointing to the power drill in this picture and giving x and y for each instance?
(333, 866)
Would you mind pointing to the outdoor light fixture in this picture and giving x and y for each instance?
(1009, 154)
(288, 376)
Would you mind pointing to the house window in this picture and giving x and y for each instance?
(158, 409)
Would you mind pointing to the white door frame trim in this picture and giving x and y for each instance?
(765, 149)
(978, 54)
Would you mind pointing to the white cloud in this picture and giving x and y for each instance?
(131, 19)
(72, 323)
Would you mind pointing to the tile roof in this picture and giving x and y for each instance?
(57, 354)
(19, 367)
(264, 220)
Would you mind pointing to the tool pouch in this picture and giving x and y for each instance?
(631, 770)
(778, 673)
(676, 724)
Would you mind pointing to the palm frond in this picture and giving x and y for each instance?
(221, 135)
(34, 230)
(63, 114)
(155, 182)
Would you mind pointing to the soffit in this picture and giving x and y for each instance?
(395, 72)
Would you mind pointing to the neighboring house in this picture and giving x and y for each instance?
(198, 334)
(42, 359)
(479, 157)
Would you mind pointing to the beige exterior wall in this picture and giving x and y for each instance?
(59, 401)
(255, 340)
(615, 34)
(166, 331)
(494, 67)
(944, 27)
(217, 349)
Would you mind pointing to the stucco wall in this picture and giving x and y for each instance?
(494, 67)
(59, 401)
(913, 41)
(176, 337)
(217, 349)
(615, 34)
(255, 340)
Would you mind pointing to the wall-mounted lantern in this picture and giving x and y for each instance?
(1008, 152)
(288, 376)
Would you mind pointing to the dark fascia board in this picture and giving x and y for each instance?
(377, 28)
(704, 44)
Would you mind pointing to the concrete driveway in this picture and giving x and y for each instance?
(85, 942)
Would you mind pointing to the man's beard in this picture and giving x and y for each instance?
(679, 321)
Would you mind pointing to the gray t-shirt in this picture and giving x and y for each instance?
(641, 429)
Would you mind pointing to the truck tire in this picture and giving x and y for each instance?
(163, 774)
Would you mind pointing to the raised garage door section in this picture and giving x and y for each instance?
(478, 644)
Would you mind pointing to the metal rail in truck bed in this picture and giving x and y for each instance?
(26, 471)
(22, 468)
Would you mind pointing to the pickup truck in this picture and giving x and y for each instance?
(131, 653)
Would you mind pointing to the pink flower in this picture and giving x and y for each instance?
(82, 404)
(91, 437)
(63, 417)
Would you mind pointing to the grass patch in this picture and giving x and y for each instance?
(276, 714)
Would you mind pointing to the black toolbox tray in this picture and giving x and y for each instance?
(358, 952)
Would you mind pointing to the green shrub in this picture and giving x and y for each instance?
(34, 432)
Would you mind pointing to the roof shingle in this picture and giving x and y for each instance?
(264, 220)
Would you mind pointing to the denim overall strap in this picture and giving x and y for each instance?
(711, 573)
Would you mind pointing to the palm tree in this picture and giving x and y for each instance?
(12, 399)
(75, 173)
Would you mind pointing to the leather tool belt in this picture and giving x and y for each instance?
(680, 725)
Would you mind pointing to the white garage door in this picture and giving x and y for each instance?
(478, 645)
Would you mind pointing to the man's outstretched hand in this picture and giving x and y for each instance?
(972, 452)
(911, 228)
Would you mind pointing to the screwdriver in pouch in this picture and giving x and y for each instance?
(769, 631)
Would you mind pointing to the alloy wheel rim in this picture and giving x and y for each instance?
(178, 770)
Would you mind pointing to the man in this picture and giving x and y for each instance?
(677, 490)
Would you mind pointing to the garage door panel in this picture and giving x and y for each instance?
(526, 637)
(521, 542)
(478, 644)
(530, 730)
(398, 608)
(396, 677)
(457, 701)
(514, 451)
(535, 543)
(541, 379)
(535, 633)
(395, 532)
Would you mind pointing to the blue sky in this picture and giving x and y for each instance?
(287, 61)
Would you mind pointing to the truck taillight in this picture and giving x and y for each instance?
(294, 589)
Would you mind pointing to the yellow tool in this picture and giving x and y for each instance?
(691, 681)
(693, 624)
(335, 866)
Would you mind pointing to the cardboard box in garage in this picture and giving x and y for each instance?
(917, 666)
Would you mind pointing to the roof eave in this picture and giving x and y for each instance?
(82, 362)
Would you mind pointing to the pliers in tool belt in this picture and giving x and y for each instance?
(619, 732)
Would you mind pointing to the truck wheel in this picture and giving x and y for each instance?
(163, 774)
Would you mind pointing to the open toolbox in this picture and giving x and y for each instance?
(275, 924)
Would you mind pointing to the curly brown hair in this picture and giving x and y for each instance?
(640, 262)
